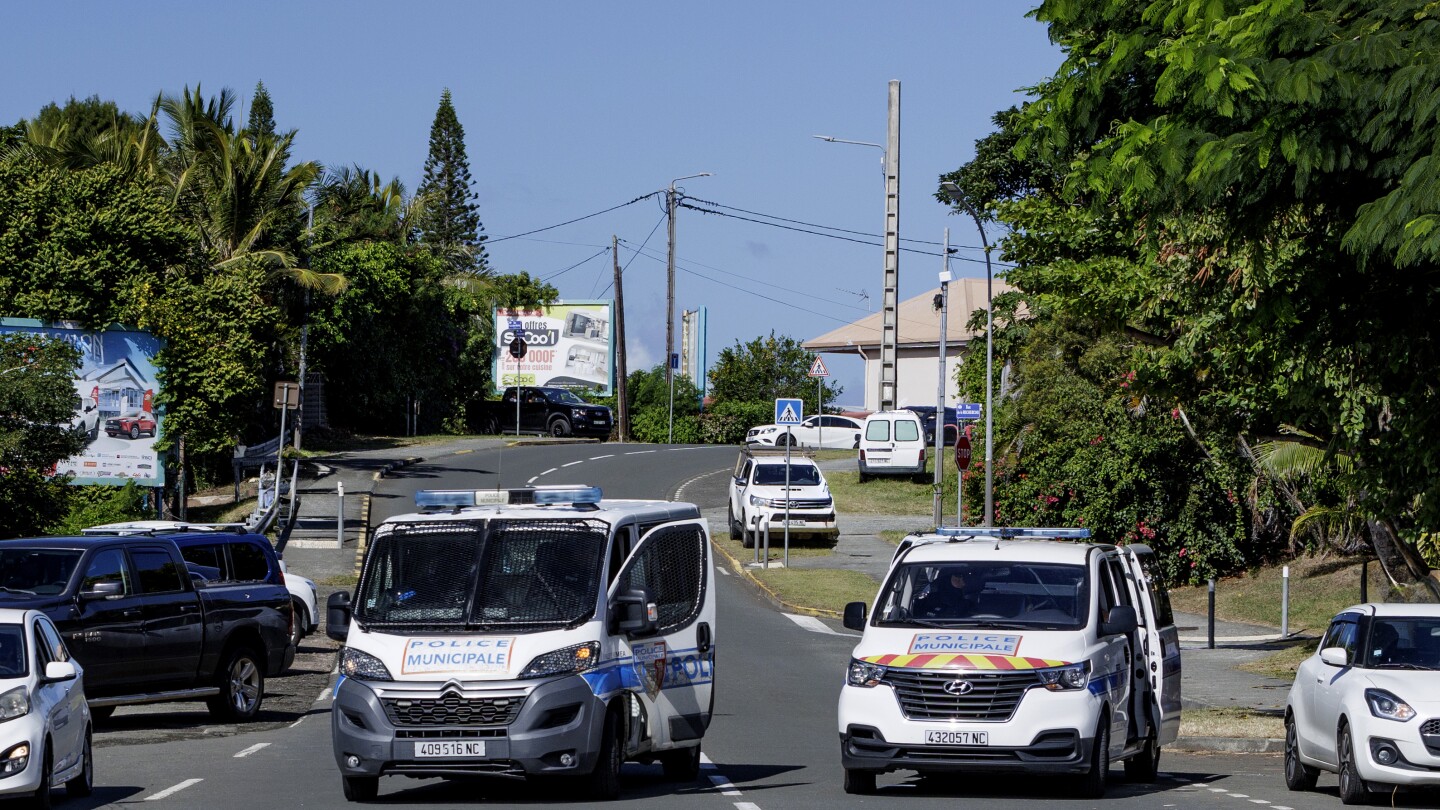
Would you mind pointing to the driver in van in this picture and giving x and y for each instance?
(954, 593)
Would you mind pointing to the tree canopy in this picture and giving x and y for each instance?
(449, 221)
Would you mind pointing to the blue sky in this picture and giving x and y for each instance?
(572, 108)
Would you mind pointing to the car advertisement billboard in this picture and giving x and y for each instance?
(115, 390)
(568, 344)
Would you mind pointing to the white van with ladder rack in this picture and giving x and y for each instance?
(1001, 650)
(534, 632)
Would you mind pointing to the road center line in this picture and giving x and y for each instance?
(573, 463)
(547, 472)
(607, 455)
(719, 780)
(172, 790)
(256, 747)
(746, 806)
(532, 480)
(640, 452)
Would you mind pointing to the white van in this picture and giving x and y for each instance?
(892, 443)
(1009, 651)
(526, 633)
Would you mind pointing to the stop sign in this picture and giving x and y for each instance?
(518, 348)
(962, 453)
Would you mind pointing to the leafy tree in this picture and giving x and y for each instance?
(449, 221)
(650, 415)
(262, 113)
(37, 401)
(765, 369)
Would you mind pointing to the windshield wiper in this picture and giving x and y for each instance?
(993, 625)
(1404, 666)
(16, 590)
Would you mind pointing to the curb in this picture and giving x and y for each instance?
(1229, 745)
(770, 595)
(395, 465)
(538, 442)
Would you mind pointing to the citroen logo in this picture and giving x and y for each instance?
(958, 687)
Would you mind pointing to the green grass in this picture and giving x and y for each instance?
(891, 495)
(1320, 587)
(321, 446)
(1230, 723)
(827, 589)
(1282, 664)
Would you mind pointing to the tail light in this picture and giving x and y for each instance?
(862, 455)
(922, 457)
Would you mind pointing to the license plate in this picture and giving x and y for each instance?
(957, 738)
(796, 523)
(449, 748)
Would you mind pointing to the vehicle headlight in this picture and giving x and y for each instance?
(578, 413)
(362, 665)
(579, 658)
(756, 500)
(864, 674)
(15, 760)
(1382, 704)
(15, 703)
(1063, 679)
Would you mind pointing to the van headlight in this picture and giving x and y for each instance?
(362, 665)
(1382, 704)
(1066, 678)
(571, 660)
(864, 674)
(15, 703)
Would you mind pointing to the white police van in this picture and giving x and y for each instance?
(526, 633)
(1004, 650)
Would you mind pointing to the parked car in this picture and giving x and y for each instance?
(87, 417)
(1366, 705)
(143, 629)
(556, 411)
(816, 432)
(44, 722)
(133, 424)
(893, 444)
(927, 419)
(758, 497)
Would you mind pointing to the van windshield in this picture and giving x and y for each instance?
(986, 594)
(773, 475)
(522, 576)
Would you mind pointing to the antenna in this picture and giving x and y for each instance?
(862, 295)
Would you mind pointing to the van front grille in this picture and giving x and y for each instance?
(452, 710)
(991, 696)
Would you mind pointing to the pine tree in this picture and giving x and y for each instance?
(262, 113)
(449, 220)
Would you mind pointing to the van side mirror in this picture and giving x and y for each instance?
(634, 614)
(337, 615)
(1122, 620)
(103, 590)
(855, 616)
(1335, 656)
(59, 671)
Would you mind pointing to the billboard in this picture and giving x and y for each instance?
(115, 390)
(569, 344)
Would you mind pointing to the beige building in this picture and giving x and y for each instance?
(917, 352)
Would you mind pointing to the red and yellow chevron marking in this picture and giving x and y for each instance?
(962, 661)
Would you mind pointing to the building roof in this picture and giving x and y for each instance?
(919, 321)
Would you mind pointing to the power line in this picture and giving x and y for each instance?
(637, 253)
(493, 240)
(573, 266)
(826, 227)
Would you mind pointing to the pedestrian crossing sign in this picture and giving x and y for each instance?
(817, 368)
(789, 411)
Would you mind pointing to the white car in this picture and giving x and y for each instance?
(825, 431)
(302, 601)
(1366, 705)
(44, 720)
(758, 498)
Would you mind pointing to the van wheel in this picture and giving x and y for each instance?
(1352, 788)
(864, 476)
(859, 783)
(559, 428)
(603, 783)
(242, 686)
(360, 788)
(730, 519)
(1144, 766)
(84, 782)
(1298, 775)
(682, 765)
(1092, 784)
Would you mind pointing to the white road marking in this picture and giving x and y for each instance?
(1240, 795)
(722, 570)
(1258, 801)
(746, 806)
(723, 784)
(532, 480)
(172, 790)
(1218, 790)
(547, 472)
(813, 624)
(324, 693)
(607, 455)
(298, 722)
(641, 452)
(573, 463)
(256, 747)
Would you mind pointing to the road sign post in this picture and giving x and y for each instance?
(518, 349)
(788, 413)
(819, 372)
(962, 463)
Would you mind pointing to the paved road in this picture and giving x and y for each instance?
(773, 743)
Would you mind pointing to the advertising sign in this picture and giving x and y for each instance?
(115, 388)
(568, 344)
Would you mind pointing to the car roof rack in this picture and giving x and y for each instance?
(159, 527)
(578, 495)
(768, 452)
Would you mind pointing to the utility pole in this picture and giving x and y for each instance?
(940, 385)
(622, 405)
(889, 333)
(670, 275)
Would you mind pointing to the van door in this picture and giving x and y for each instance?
(672, 670)
(1160, 639)
(1116, 664)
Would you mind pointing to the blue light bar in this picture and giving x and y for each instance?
(1013, 532)
(461, 498)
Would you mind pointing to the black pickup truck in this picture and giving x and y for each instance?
(556, 411)
(146, 630)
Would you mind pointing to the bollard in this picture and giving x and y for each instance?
(340, 514)
(1212, 614)
(1285, 602)
(766, 557)
(1365, 581)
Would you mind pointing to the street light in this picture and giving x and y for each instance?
(957, 196)
(833, 139)
(670, 298)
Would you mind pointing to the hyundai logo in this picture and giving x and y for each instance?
(958, 688)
